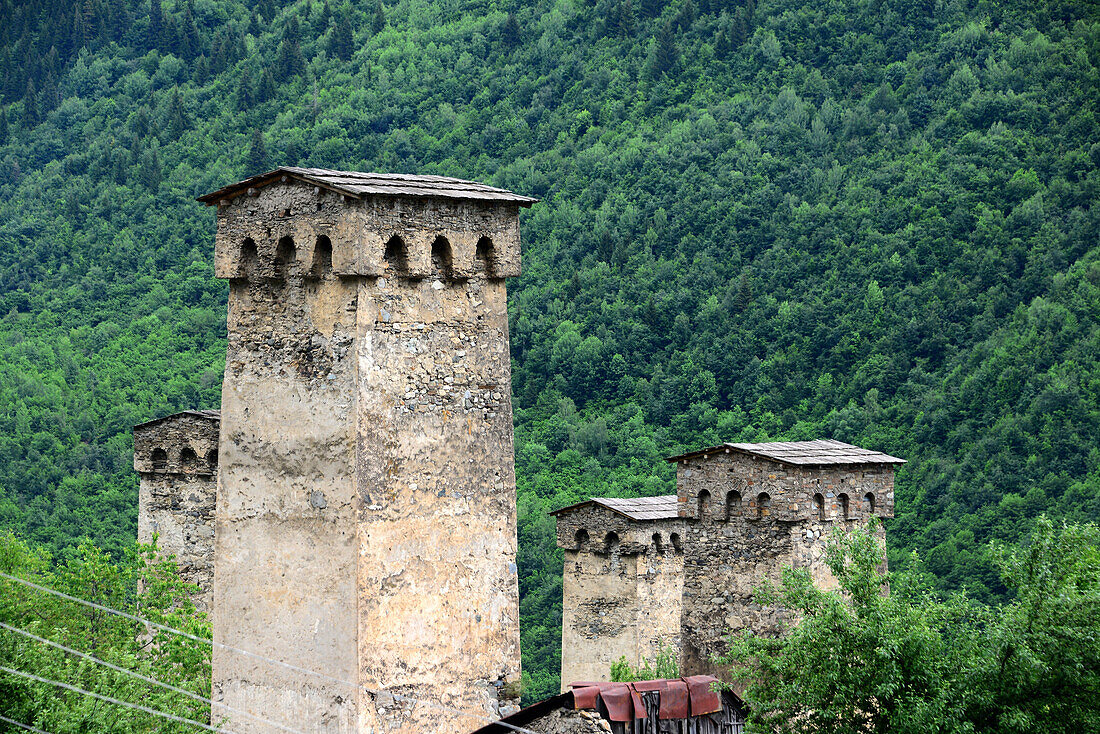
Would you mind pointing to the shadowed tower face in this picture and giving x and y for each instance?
(366, 521)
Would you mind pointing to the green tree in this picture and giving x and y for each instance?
(4, 133)
(256, 160)
(510, 33)
(378, 21)
(340, 42)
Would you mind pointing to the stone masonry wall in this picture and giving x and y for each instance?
(177, 461)
(366, 509)
(622, 586)
(748, 518)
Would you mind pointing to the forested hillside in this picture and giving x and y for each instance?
(873, 221)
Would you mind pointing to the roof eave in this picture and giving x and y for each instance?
(192, 413)
(727, 448)
(265, 179)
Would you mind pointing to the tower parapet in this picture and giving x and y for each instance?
(366, 521)
(176, 458)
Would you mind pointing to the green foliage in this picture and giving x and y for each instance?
(862, 660)
(873, 222)
(665, 665)
(138, 585)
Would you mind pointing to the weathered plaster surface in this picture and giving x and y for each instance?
(176, 494)
(621, 591)
(366, 507)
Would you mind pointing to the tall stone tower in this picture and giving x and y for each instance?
(366, 517)
(176, 458)
(753, 509)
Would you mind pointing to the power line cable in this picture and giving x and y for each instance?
(13, 722)
(117, 702)
(156, 625)
(147, 679)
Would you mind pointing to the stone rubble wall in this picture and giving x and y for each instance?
(176, 495)
(621, 591)
(366, 508)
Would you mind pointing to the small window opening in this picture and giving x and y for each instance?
(212, 459)
(869, 500)
(397, 256)
(188, 458)
(160, 459)
(819, 507)
(704, 500)
(483, 256)
(842, 500)
(733, 505)
(286, 212)
(441, 258)
(657, 545)
(246, 266)
(285, 257)
(674, 538)
(581, 538)
(763, 505)
(611, 542)
(322, 258)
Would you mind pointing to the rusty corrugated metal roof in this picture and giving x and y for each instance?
(359, 184)
(801, 453)
(636, 508)
(207, 414)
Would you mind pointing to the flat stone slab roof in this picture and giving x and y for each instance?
(664, 507)
(826, 452)
(359, 184)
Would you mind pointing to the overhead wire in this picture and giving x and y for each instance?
(117, 702)
(374, 693)
(13, 722)
(147, 679)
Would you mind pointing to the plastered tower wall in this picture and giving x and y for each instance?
(747, 518)
(622, 587)
(366, 496)
(176, 459)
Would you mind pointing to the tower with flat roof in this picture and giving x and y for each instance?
(366, 516)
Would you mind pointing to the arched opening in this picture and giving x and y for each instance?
(581, 538)
(819, 507)
(285, 257)
(733, 505)
(842, 500)
(322, 258)
(188, 458)
(442, 260)
(246, 262)
(763, 505)
(657, 544)
(212, 460)
(674, 538)
(483, 256)
(611, 542)
(704, 500)
(869, 503)
(396, 256)
(160, 459)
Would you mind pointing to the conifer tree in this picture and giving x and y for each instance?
(202, 70)
(510, 33)
(665, 54)
(379, 21)
(79, 38)
(156, 24)
(267, 87)
(256, 161)
(626, 19)
(245, 96)
(4, 125)
(30, 105)
(340, 43)
(651, 8)
(178, 121)
(739, 30)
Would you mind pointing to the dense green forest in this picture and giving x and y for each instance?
(868, 220)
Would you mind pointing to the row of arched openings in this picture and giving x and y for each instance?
(189, 460)
(734, 506)
(844, 505)
(395, 257)
(610, 542)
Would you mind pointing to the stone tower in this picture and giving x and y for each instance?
(624, 574)
(366, 517)
(176, 458)
(753, 509)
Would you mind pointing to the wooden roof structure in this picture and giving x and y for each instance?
(663, 507)
(214, 415)
(801, 453)
(357, 184)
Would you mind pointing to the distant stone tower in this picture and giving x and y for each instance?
(176, 458)
(366, 517)
(624, 575)
(753, 509)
